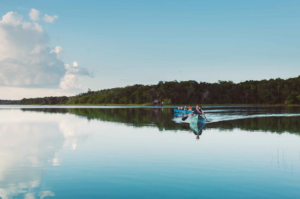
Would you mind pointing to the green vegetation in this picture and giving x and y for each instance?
(273, 91)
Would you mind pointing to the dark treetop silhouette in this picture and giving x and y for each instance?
(273, 91)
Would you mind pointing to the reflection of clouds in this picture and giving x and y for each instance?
(44, 194)
(73, 131)
(69, 134)
(24, 153)
(56, 160)
(29, 196)
(28, 143)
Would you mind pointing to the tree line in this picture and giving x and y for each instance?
(273, 91)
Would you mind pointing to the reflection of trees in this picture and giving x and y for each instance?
(162, 118)
(137, 117)
(270, 124)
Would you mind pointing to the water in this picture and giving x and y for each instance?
(105, 152)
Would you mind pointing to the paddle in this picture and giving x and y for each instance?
(184, 118)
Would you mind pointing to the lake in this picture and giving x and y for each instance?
(138, 152)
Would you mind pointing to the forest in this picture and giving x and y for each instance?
(273, 91)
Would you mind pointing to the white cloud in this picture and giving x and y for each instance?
(75, 64)
(34, 14)
(59, 51)
(71, 78)
(69, 81)
(27, 60)
(12, 17)
(49, 19)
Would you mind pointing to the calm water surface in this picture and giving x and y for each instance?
(113, 152)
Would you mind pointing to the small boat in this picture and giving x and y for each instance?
(182, 111)
(179, 115)
(197, 119)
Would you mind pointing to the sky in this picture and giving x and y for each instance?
(54, 48)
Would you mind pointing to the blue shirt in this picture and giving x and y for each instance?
(196, 112)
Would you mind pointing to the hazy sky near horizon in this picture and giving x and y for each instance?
(65, 47)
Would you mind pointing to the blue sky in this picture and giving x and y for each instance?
(143, 42)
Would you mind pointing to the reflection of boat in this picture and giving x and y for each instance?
(197, 126)
(182, 111)
(197, 119)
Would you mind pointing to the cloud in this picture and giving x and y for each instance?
(26, 58)
(49, 19)
(75, 64)
(78, 70)
(58, 50)
(34, 14)
(12, 17)
(84, 72)
(71, 78)
(69, 81)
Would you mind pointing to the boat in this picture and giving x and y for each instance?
(197, 119)
(182, 111)
(179, 115)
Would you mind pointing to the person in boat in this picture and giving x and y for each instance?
(185, 108)
(179, 107)
(200, 108)
(198, 111)
(190, 108)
